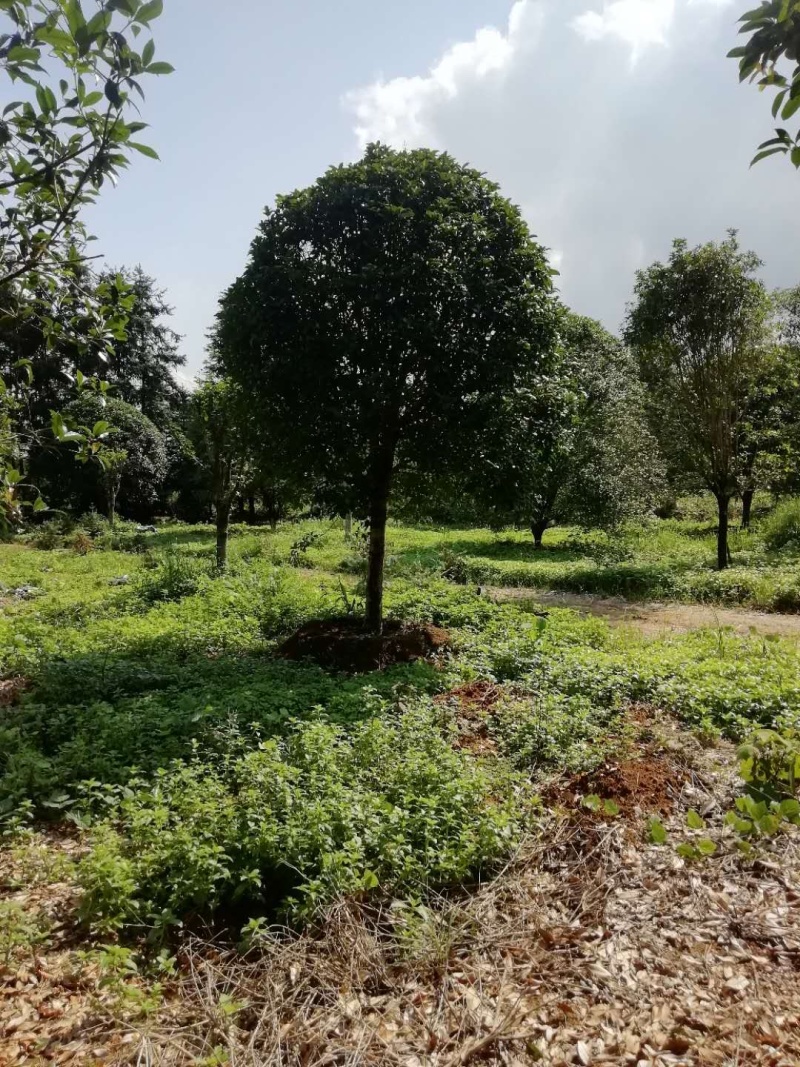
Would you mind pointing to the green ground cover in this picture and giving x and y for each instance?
(211, 776)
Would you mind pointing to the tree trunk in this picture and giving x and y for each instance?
(348, 526)
(377, 553)
(251, 509)
(723, 555)
(223, 520)
(538, 529)
(747, 507)
(112, 507)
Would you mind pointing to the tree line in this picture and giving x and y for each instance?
(395, 341)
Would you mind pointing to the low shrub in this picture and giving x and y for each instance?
(169, 575)
(781, 528)
(301, 820)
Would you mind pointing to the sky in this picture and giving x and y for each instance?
(615, 125)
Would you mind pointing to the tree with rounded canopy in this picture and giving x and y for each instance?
(578, 451)
(382, 314)
(699, 326)
(138, 461)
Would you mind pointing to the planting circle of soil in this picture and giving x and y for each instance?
(346, 645)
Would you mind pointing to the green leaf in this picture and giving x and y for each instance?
(757, 159)
(39, 504)
(145, 149)
(791, 107)
(370, 880)
(610, 807)
(686, 850)
(592, 802)
(148, 52)
(657, 832)
(789, 809)
(160, 68)
(694, 820)
(75, 17)
(149, 11)
(706, 847)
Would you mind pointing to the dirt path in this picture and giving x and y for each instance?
(653, 617)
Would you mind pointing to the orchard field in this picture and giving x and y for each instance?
(172, 790)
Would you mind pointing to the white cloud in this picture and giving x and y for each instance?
(394, 110)
(637, 22)
(609, 160)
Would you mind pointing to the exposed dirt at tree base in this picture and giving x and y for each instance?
(656, 617)
(345, 645)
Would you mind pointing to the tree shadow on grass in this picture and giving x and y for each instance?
(112, 714)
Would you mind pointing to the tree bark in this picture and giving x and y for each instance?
(377, 553)
(723, 555)
(348, 526)
(747, 507)
(538, 529)
(223, 509)
(251, 509)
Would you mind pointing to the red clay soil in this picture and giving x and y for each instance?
(470, 703)
(345, 645)
(650, 784)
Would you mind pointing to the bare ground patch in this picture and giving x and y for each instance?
(655, 617)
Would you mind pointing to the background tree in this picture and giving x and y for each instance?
(774, 28)
(142, 366)
(699, 327)
(218, 417)
(578, 451)
(383, 313)
(134, 479)
(67, 132)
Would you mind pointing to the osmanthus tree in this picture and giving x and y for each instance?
(699, 325)
(122, 458)
(66, 134)
(774, 37)
(772, 427)
(383, 314)
(578, 450)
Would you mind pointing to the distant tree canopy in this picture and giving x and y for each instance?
(383, 314)
(84, 486)
(774, 29)
(699, 327)
(577, 448)
(142, 366)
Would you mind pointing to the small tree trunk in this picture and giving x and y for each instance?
(747, 507)
(538, 529)
(348, 526)
(377, 554)
(251, 509)
(223, 509)
(723, 555)
(112, 507)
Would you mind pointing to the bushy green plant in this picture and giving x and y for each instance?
(781, 528)
(770, 763)
(296, 822)
(170, 575)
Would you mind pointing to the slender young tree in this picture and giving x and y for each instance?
(217, 431)
(699, 326)
(384, 312)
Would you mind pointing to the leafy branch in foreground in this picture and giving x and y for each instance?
(774, 29)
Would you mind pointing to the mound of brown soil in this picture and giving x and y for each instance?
(345, 644)
(649, 784)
